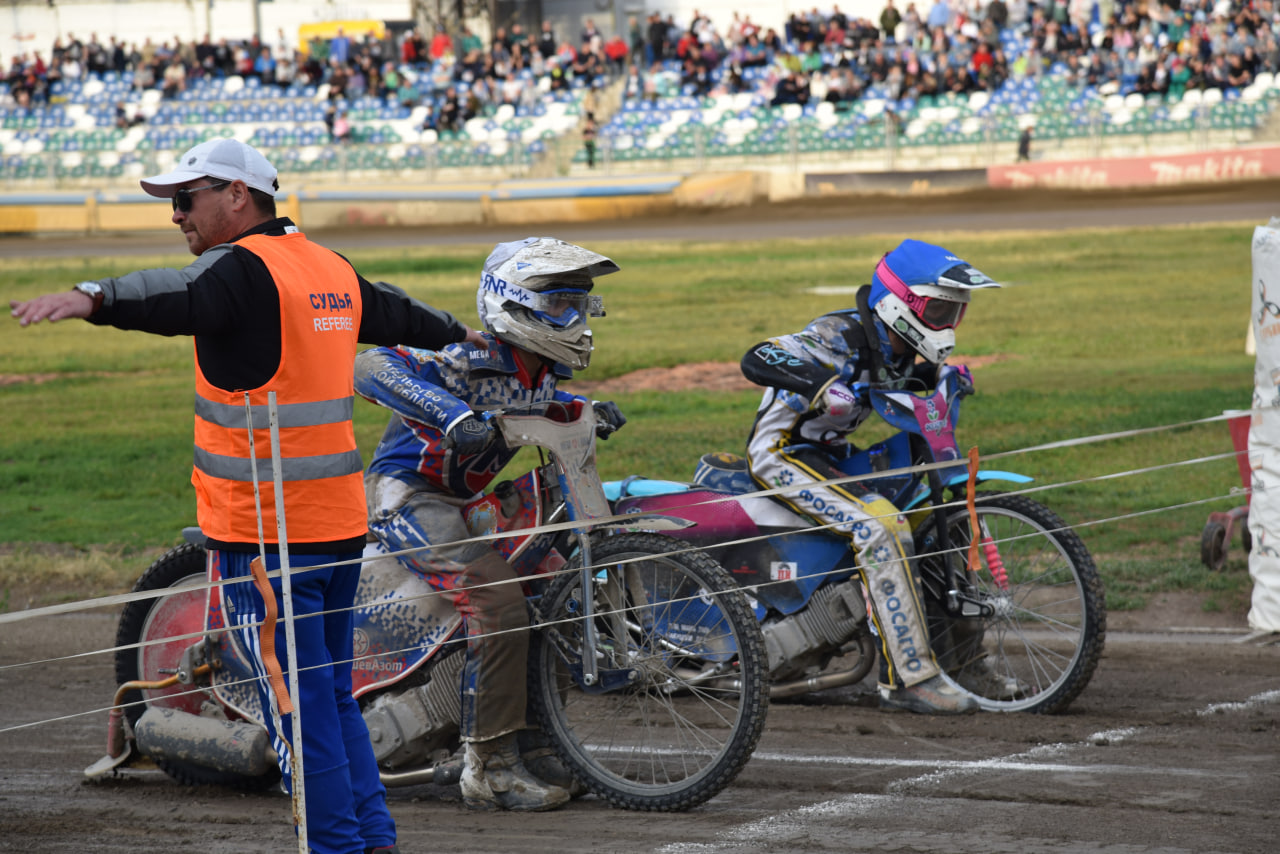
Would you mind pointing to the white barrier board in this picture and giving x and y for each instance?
(1264, 431)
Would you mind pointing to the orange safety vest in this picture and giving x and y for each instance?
(321, 468)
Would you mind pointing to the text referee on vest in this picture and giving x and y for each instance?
(272, 311)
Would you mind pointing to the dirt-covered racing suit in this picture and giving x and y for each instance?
(797, 442)
(416, 489)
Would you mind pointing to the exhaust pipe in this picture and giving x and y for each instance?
(234, 747)
(839, 679)
(443, 774)
(826, 681)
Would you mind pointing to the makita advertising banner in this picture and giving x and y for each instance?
(1208, 167)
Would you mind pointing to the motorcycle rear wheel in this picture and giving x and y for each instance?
(682, 694)
(1039, 649)
(179, 616)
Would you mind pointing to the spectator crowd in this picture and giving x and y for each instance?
(1161, 47)
(1148, 46)
(455, 76)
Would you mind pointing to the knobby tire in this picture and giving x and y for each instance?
(146, 620)
(667, 727)
(1039, 650)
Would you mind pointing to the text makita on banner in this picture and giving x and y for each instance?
(1206, 167)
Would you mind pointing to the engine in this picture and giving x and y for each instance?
(406, 727)
(802, 643)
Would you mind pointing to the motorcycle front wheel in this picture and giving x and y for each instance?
(1037, 648)
(680, 695)
(152, 635)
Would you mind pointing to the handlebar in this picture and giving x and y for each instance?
(959, 374)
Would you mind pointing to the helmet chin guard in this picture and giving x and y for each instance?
(533, 295)
(921, 291)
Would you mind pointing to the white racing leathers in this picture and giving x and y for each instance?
(792, 445)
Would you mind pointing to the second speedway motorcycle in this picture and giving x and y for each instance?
(1015, 605)
(647, 667)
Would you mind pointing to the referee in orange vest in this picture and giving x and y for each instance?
(270, 311)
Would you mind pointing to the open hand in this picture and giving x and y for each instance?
(52, 307)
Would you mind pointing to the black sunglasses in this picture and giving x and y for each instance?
(182, 198)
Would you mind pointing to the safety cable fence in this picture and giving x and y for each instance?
(628, 523)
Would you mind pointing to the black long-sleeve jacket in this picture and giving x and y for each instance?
(227, 300)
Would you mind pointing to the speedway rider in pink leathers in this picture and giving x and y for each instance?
(816, 383)
(438, 452)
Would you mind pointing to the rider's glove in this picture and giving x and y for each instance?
(608, 417)
(469, 435)
(964, 379)
(836, 400)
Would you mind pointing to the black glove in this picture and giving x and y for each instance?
(608, 417)
(926, 374)
(469, 436)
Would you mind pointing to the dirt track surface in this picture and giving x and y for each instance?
(1173, 748)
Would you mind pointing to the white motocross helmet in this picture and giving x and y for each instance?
(921, 291)
(534, 294)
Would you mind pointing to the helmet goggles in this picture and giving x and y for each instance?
(566, 307)
(933, 311)
(558, 307)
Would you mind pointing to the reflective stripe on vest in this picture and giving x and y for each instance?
(289, 415)
(321, 467)
(293, 468)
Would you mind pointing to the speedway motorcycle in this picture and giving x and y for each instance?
(647, 670)
(1015, 606)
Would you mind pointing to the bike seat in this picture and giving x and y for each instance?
(639, 486)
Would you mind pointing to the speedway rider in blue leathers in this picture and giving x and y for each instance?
(816, 383)
(438, 452)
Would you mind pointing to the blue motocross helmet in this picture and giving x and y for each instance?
(921, 291)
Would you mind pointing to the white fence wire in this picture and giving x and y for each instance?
(624, 521)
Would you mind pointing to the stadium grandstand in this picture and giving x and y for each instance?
(894, 85)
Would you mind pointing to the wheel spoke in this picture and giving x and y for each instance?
(675, 623)
(1040, 645)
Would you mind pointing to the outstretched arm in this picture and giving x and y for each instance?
(393, 317)
(52, 307)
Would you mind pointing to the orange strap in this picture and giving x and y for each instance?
(974, 537)
(267, 637)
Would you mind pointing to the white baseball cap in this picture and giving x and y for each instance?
(225, 159)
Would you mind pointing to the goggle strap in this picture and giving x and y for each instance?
(897, 287)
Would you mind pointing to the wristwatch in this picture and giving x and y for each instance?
(94, 290)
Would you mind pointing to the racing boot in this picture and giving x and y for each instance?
(933, 696)
(959, 651)
(980, 677)
(494, 777)
(539, 757)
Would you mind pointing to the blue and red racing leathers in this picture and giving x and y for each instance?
(416, 489)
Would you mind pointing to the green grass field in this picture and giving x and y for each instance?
(1097, 332)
